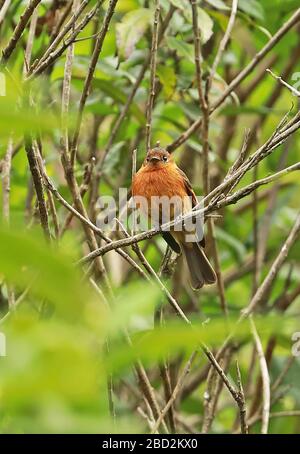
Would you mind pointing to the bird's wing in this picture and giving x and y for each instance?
(170, 240)
(188, 187)
(192, 194)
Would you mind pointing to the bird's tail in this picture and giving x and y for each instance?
(201, 271)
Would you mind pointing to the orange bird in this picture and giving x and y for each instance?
(158, 181)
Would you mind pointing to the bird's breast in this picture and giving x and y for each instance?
(161, 193)
(165, 181)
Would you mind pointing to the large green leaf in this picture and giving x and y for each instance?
(131, 29)
(182, 48)
(26, 259)
(167, 78)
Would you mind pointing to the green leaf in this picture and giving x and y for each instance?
(167, 78)
(236, 245)
(131, 29)
(205, 24)
(183, 49)
(181, 4)
(253, 8)
(27, 260)
(219, 4)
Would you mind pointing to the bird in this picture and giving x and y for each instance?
(159, 178)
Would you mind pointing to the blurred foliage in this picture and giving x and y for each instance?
(53, 378)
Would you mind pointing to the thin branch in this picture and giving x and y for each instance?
(38, 185)
(153, 58)
(276, 266)
(242, 407)
(265, 379)
(175, 393)
(223, 43)
(6, 178)
(197, 47)
(88, 81)
(20, 27)
(285, 84)
(30, 39)
(6, 173)
(290, 361)
(3, 10)
(66, 90)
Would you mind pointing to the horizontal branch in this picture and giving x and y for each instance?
(234, 198)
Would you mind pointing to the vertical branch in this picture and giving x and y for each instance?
(203, 99)
(134, 89)
(50, 197)
(223, 44)
(242, 407)
(175, 393)
(3, 10)
(265, 378)
(217, 266)
(213, 391)
(67, 89)
(38, 185)
(88, 81)
(30, 39)
(256, 272)
(152, 74)
(6, 174)
(197, 46)
(6, 170)
(267, 283)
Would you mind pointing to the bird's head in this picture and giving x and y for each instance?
(157, 158)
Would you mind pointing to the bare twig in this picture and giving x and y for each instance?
(6, 171)
(88, 80)
(277, 264)
(38, 185)
(20, 27)
(242, 408)
(175, 393)
(197, 47)
(285, 84)
(265, 378)
(153, 58)
(29, 44)
(223, 43)
(3, 10)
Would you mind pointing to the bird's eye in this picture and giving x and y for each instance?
(147, 159)
(165, 158)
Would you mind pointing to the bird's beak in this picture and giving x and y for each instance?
(154, 159)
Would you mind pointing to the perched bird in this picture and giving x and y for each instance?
(160, 178)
